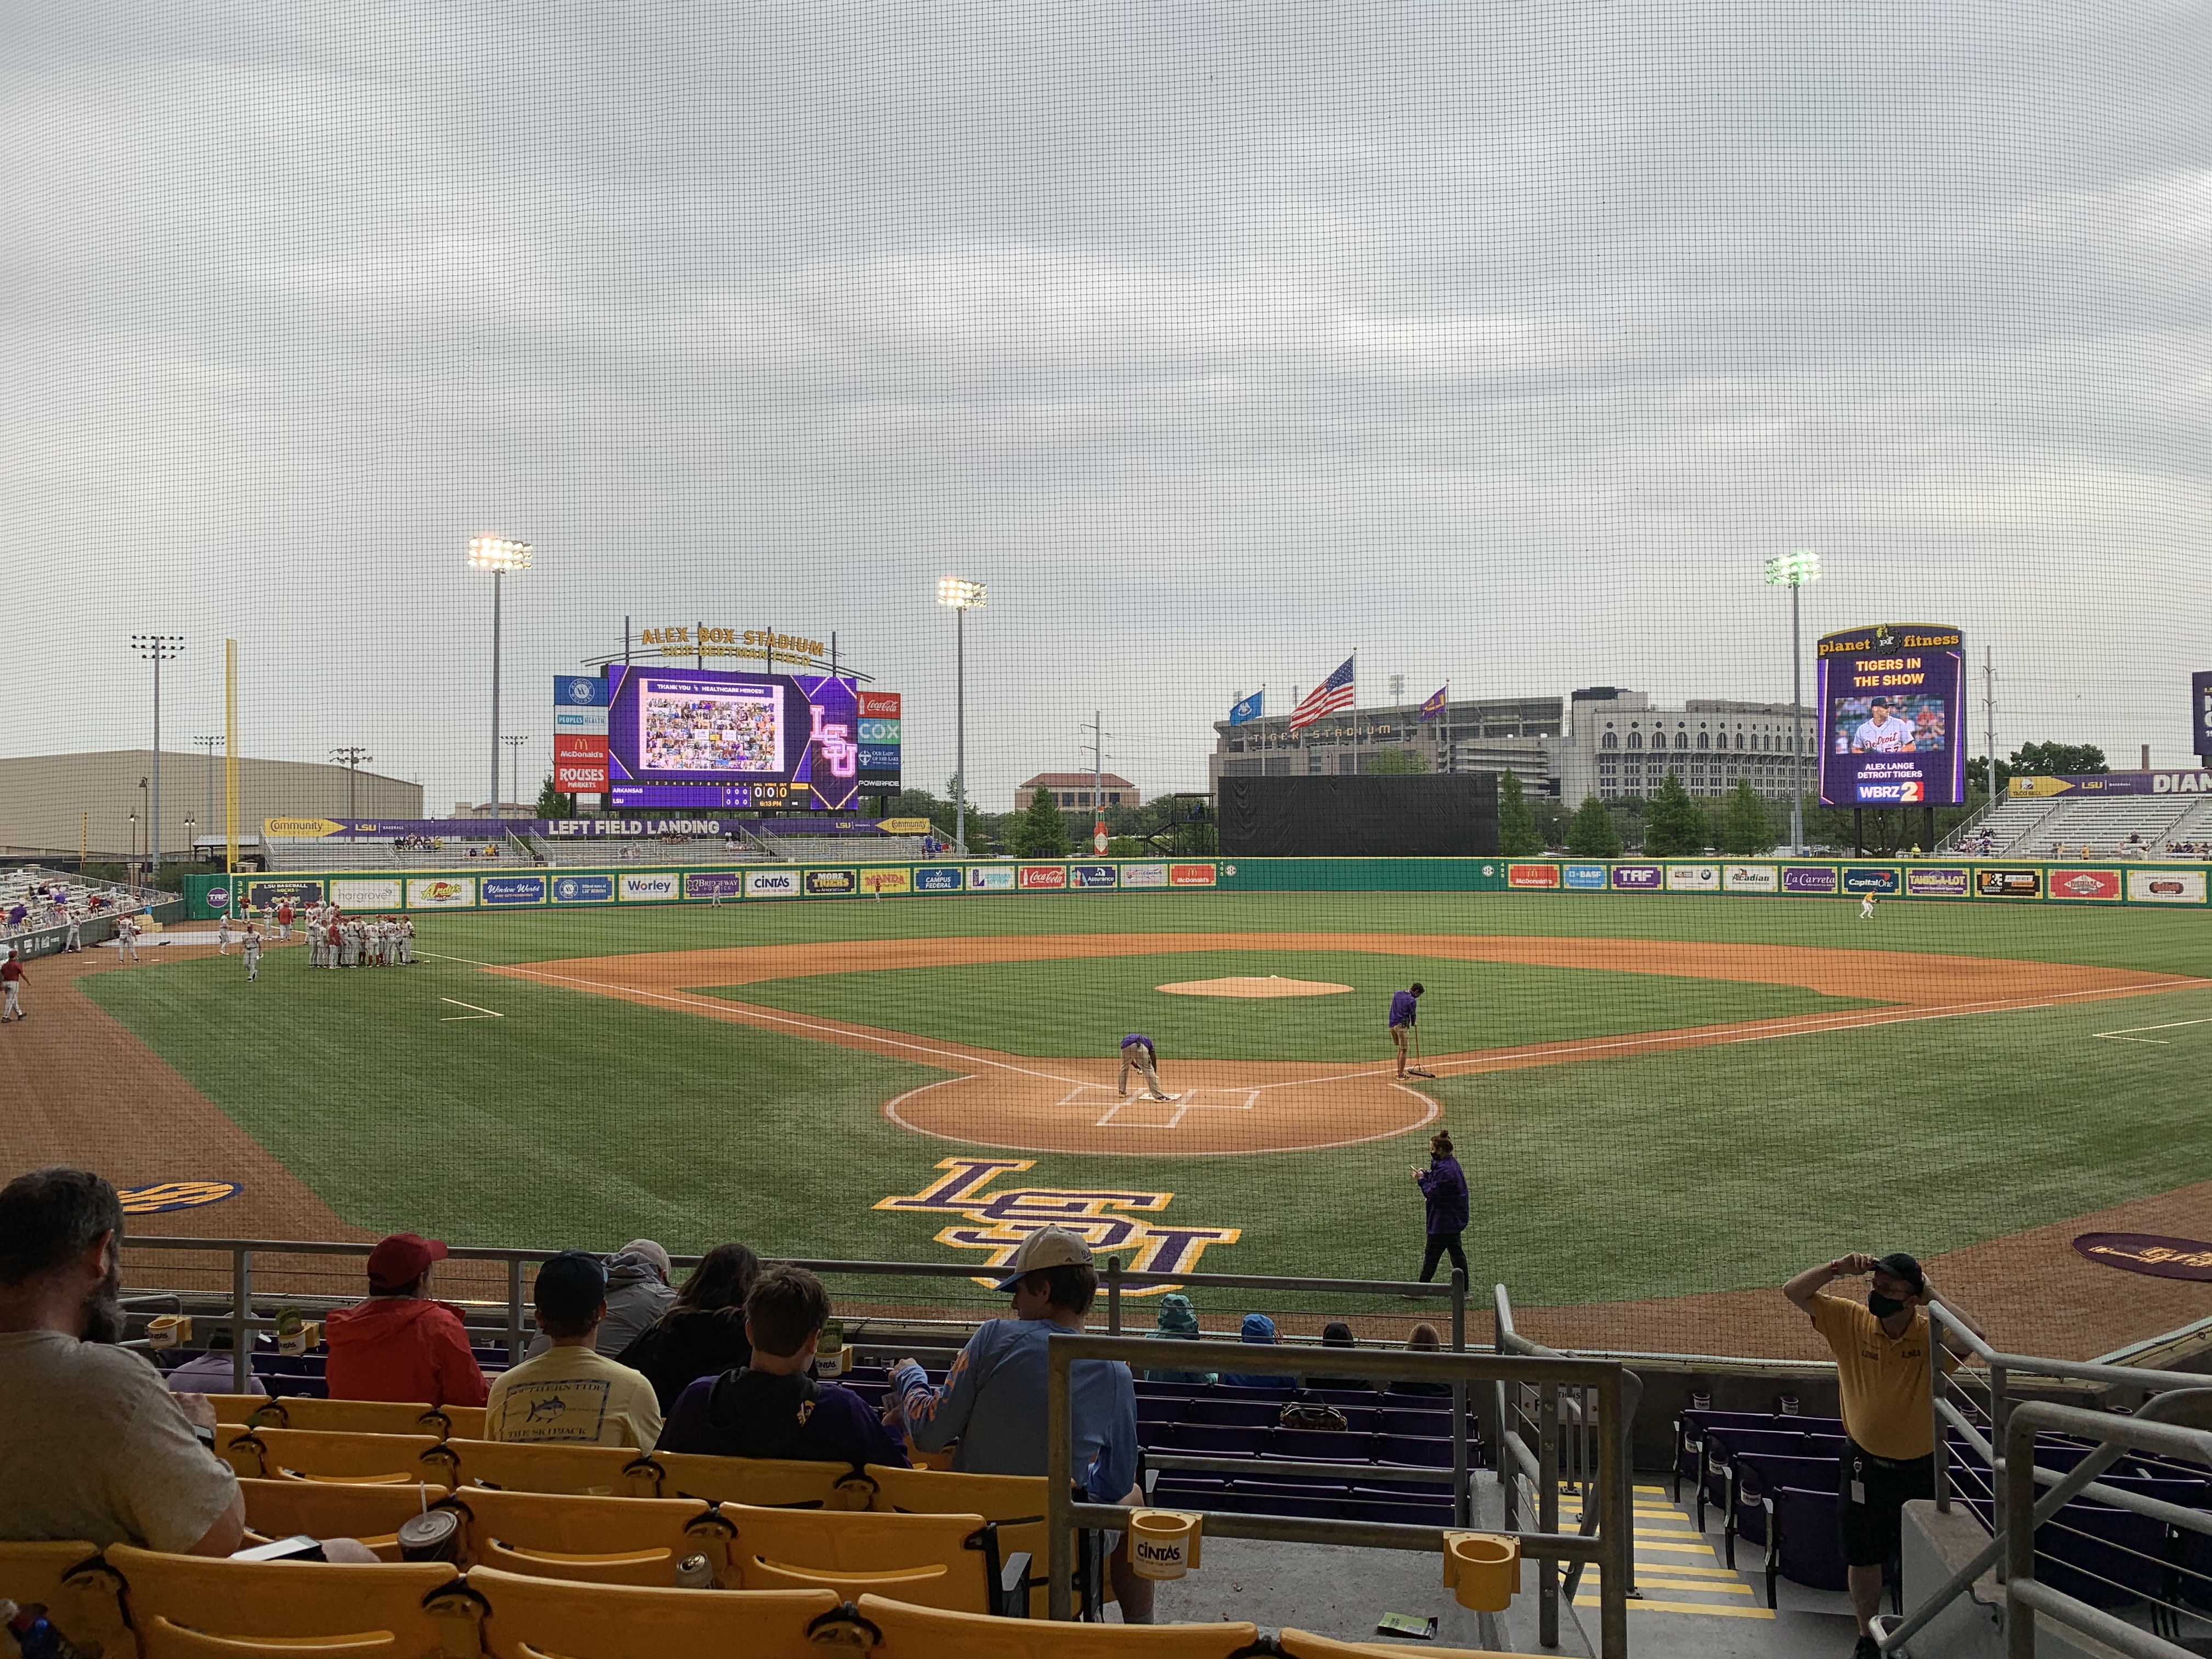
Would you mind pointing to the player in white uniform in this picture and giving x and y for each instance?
(1884, 733)
(250, 950)
(406, 939)
(222, 937)
(74, 942)
(127, 940)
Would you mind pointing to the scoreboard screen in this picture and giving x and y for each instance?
(703, 738)
(1890, 715)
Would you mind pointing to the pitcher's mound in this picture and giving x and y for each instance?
(1272, 986)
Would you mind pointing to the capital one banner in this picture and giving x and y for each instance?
(1890, 716)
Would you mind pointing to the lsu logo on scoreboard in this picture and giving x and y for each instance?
(997, 1222)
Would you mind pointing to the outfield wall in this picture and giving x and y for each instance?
(1995, 881)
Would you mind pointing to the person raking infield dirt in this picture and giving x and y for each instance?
(1405, 1013)
(1137, 1050)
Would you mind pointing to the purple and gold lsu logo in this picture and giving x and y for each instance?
(999, 1221)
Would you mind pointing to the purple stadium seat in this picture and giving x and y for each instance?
(1758, 1473)
(1803, 1542)
(1338, 1397)
(1157, 1410)
(1212, 1439)
(1234, 1414)
(2111, 1557)
(1329, 1445)
(1421, 1424)
(1722, 1445)
(1279, 1392)
(1425, 1454)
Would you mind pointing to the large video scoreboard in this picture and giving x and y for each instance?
(701, 738)
(1891, 719)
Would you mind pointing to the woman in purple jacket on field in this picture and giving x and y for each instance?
(1445, 1189)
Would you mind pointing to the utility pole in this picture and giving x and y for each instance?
(351, 759)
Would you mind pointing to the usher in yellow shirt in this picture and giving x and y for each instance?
(1883, 1380)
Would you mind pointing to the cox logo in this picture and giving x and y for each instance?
(879, 731)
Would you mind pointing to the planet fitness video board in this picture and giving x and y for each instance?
(701, 738)
(1890, 712)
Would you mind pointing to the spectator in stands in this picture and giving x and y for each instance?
(92, 1446)
(1444, 1188)
(572, 1393)
(638, 1294)
(1260, 1330)
(771, 1407)
(1880, 1347)
(703, 1333)
(214, 1372)
(1422, 1338)
(1336, 1334)
(399, 1345)
(992, 1401)
(1178, 1321)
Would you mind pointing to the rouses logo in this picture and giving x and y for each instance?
(1190, 875)
(1808, 878)
(2009, 884)
(1693, 878)
(1144, 875)
(1092, 875)
(831, 884)
(649, 890)
(771, 883)
(1861, 879)
(879, 881)
(1941, 882)
(1583, 877)
(2085, 883)
(990, 879)
(2166, 886)
(1532, 875)
(514, 890)
(1637, 877)
(218, 898)
(879, 704)
(1750, 878)
(1040, 877)
(583, 890)
(584, 777)
(713, 884)
(936, 879)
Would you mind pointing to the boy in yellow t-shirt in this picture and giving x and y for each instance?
(572, 1394)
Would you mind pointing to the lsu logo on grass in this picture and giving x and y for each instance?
(998, 1222)
(165, 1196)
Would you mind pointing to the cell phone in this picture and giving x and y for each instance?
(1406, 1623)
(298, 1548)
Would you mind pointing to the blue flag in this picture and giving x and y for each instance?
(1248, 708)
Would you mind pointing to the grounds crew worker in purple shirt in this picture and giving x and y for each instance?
(1403, 1010)
(1137, 1050)
(1445, 1187)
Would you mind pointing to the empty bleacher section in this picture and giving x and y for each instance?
(395, 853)
(2095, 826)
(601, 852)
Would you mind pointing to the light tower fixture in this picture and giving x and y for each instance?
(1793, 570)
(499, 554)
(960, 596)
(156, 648)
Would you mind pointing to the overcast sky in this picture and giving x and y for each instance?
(1500, 342)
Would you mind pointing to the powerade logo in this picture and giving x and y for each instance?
(514, 890)
(1583, 877)
(936, 879)
(1870, 881)
(583, 890)
(1092, 875)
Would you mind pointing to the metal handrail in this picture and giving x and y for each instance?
(1611, 1549)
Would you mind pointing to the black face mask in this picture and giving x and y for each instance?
(1882, 1306)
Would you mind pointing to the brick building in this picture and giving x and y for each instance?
(1074, 790)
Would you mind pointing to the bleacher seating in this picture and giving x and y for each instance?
(33, 886)
(2109, 826)
(846, 849)
(364, 854)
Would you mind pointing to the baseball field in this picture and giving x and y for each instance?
(1664, 1107)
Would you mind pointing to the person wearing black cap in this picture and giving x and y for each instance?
(572, 1394)
(1880, 1347)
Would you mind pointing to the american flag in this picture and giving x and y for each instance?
(1337, 691)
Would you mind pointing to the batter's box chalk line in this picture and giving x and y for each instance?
(1088, 1094)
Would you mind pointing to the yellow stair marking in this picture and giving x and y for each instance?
(1704, 1586)
(1705, 1550)
(1683, 1568)
(1712, 1609)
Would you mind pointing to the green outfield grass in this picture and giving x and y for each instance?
(579, 1119)
(1083, 1006)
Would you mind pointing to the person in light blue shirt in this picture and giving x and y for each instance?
(993, 1400)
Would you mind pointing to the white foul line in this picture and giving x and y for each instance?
(478, 1013)
(2122, 1035)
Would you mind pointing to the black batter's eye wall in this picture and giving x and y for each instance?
(1419, 815)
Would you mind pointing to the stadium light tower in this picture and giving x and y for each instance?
(353, 759)
(156, 648)
(209, 744)
(514, 766)
(1793, 571)
(498, 555)
(961, 596)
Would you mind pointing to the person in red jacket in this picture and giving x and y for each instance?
(399, 1345)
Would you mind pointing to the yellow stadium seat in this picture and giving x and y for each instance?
(1304, 1645)
(597, 1541)
(586, 1471)
(1016, 1502)
(368, 1511)
(188, 1607)
(354, 1417)
(82, 1596)
(236, 1407)
(768, 1482)
(529, 1617)
(937, 1560)
(463, 1422)
(319, 1455)
(917, 1632)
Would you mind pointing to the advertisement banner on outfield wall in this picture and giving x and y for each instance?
(441, 892)
(1693, 878)
(1583, 877)
(1042, 878)
(583, 890)
(658, 888)
(1144, 875)
(1638, 877)
(2166, 886)
(1869, 878)
(831, 884)
(937, 878)
(883, 881)
(1808, 878)
(1532, 875)
(268, 895)
(990, 878)
(2009, 884)
(512, 890)
(1190, 875)
(366, 893)
(1092, 875)
(1750, 879)
(2085, 883)
(771, 883)
(713, 884)
(1935, 881)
